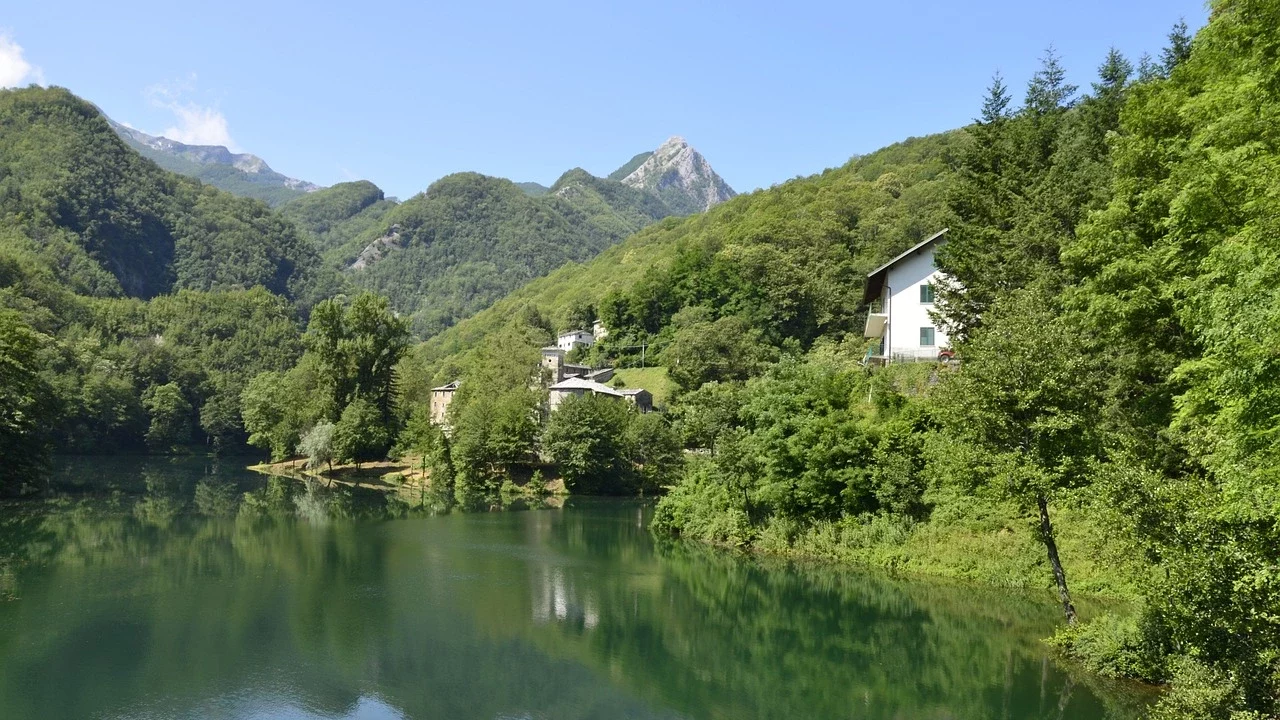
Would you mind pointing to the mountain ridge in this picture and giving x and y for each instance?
(243, 174)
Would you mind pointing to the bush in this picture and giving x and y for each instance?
(1115, 646)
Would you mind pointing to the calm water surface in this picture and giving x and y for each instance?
(154, 589)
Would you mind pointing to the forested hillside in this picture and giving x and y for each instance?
(141, 301)
(470, 239)
(112, 223)
(791, 260)
(335, 216)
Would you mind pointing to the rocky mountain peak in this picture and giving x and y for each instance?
(681, 176)
(195, 160)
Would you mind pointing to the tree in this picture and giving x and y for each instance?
(1021, 413)
(653, 450)
(704, 415)
(492, 431)
(579, 316)
(1048, 90)
(170, 414)
(360, 434)
(263, 408)
(429, 442)
(586, 438)
(702, 350)
(357, 349)
(27, 408)
(1179, 48)
(317, 445)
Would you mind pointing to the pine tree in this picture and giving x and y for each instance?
(1179, 48)
(1048, 90)
(995, 107)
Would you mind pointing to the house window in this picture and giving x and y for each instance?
(926, 337)
(926, 294)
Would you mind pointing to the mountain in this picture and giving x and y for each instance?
(335, 216)
(533, 189)
(790, 260)
(679, 175)
(108, 222)
(238, 173)
(630, 166)
(470, 239)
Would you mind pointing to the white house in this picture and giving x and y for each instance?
(567, 341)
(900, 295)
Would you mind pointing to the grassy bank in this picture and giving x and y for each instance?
(965, 538)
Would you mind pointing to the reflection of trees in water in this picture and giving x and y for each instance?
(495, 615)
(694, 629)
(121, 604)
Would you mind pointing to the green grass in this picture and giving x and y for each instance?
(653, 379)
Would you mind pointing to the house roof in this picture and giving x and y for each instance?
(635, 391)
(446, 388)
(875, 278)
(572, 333)
(575, 383)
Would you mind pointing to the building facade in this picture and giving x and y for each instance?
(575, 339)
(900, 296)
(441, 397)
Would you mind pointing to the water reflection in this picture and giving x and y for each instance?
(195, 591)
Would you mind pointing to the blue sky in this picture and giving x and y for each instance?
(403, 93)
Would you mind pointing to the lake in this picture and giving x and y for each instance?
(155, 589)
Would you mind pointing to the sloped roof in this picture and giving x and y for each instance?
(576, 383)
(446, 388)
(875, 278)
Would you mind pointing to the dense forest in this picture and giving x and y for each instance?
(470, 239)
(137, 304)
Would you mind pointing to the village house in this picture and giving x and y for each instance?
(440, 399)
(641, 399)
(574, 387)
(900, 296)
(561, 379)
(573, 339)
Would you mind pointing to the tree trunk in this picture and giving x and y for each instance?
(1059, 575)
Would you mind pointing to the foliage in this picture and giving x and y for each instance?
(361, 434)
(318, 446)
(356, 349)
(426, 439)
(654, 451)
(335, 216)
(170, 416)
(470, 239)
(586, 438)
(26, 403)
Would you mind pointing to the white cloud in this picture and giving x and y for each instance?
(15, 70)
(196, 124)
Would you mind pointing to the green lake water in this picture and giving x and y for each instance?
(151, 589)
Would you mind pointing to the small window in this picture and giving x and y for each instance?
(926, 294)
(926, 337)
